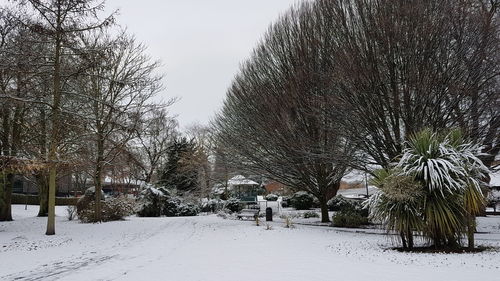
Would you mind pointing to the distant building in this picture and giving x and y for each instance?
(66, 185)
(25, 185)
(114, 186)
(275, 187)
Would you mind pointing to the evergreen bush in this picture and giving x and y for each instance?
(302, 200)
(188, 210)
(150, 202)
(233, 205)
(271, 197)
(111, 210)
(310, 214)
(349, 219)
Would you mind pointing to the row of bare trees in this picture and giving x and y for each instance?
(76, 95)
(337, 84)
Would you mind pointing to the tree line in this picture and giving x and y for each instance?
(76, 97)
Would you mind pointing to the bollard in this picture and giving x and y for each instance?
(269, 214)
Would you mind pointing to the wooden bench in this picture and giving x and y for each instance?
(248, 213)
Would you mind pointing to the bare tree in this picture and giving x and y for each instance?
(403, 66)
(153, 139)
(203, 158)
(60, 20)
(119, 82)
(9, 111)
(281, 116)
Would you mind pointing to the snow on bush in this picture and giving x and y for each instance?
(171, 207)
(302, 200)
(434, 189)
(310, 214)
(212, 205)
(155, 202)
(285, 203)
(86, 199)
(349, 219)
(338, 203)
(233, 205)
(150, 202)
(111, 210)
(186, 210)
(271, 197)
(225, 213)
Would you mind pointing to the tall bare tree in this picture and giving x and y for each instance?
(153, 140)
(61, 21)
(204, 155)
(281, 116)
(403, 66)
(119, 82)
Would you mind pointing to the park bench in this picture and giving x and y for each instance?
(248, 213)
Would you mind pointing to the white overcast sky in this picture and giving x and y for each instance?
(201, 44)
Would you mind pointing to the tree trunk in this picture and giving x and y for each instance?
(43, 194)
(51, 218)
(324, 210)
(98, 178)
(326, 192)
(403, 239)
(54, 136)
(5, 201)
(410, 239)
(471, 228)
(5, 210)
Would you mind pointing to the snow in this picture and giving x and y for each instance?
(357, 192)
(211, 248)
(240, 180)
(355, 176)
(495, 179)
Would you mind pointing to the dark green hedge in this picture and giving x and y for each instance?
(33, 200)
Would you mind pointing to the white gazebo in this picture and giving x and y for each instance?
(243, 188)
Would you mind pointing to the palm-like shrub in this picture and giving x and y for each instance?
(399, 204)
(434, 189)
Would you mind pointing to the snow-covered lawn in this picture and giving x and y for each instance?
(211, 248)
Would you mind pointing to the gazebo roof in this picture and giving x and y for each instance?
(241, 180)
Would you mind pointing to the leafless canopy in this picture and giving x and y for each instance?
(281, 113)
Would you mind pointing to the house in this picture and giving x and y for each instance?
(27, 185)
(275, 187)
(114, 186)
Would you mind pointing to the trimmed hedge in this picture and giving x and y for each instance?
(34, 200)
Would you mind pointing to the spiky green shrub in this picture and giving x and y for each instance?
(434, 189)
(450, 172)
(398, 205)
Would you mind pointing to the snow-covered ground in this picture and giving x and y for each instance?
(212, 248)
